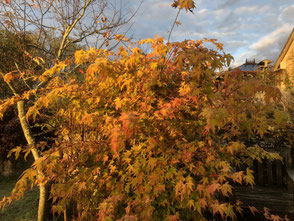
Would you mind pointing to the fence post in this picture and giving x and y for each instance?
(288, 158)
(269, 171)
(279, 172)
(260, 173)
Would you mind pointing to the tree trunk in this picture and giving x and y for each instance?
(31, 141)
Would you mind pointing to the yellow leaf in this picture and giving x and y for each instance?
(16, 151)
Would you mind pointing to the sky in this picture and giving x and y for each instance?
(247, 28)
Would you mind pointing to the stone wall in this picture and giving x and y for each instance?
(288, 63)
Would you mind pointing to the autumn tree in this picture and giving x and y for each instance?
(55, 28)
(150, 136)
(146, 136)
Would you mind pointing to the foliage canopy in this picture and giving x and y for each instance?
(149, 135)
(146, 135)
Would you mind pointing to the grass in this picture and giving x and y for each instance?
(21, 210)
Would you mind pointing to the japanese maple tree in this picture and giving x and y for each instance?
(148, 135)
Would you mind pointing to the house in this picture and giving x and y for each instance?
(250, 66)
(285, 62)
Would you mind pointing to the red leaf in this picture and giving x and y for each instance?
(82, 72)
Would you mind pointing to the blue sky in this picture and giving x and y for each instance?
(247, 28)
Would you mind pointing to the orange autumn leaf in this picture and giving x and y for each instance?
(116, 139)
(8, 77)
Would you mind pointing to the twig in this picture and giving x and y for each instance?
(172, 28)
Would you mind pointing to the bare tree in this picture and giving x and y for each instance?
(91, 22)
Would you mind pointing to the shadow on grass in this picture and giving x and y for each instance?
(25, 209)
(21, 210)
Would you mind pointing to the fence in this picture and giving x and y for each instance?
(276, 173)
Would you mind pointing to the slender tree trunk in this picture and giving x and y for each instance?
(31, 141)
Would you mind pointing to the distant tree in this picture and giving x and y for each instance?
(91, 22)
(11, 55)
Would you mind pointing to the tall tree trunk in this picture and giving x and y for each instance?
(31, 141)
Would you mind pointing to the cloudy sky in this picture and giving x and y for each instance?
(247, 28)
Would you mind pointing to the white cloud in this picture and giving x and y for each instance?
(247, 28)
(220, 14)
(253, 9)
(288, 14)
(267, 47)
(230, 3)
(271, 39)
(202, 11)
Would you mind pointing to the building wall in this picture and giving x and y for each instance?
(288, 63)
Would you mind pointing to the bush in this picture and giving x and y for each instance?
(151, 135)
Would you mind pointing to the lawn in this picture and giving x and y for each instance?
(22, 210)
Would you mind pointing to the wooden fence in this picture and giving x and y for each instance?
(289, 165)
(276, 173)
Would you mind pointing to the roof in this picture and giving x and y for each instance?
(285, 50)
(248, 67)
(252, 66)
